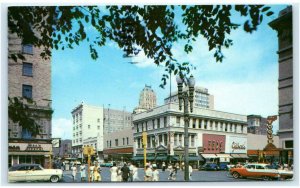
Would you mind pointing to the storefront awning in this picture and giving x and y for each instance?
(161, 158)
(209, 156)
(196, 158)
(243, 155)
(223, 155)
(137, 158)
(235, 155)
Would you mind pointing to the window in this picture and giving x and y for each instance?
(27, 69)
(98, 120)
(137, 128)
(153, 124)
(165, 121)
(110, 143)
(116, 142)
(107, 143)
(127, 140)
(158, 123)
(289, 144)
(27, 49)
(160, 139)
(139, 142)
(166, 140)
(89, 126)
(226, 126)
(27, 91)
(178, 121)
(235, 127)
(123, 141)
(192, 140)
(175, 139)
(146, 125)
(180, 139)
(194, 123)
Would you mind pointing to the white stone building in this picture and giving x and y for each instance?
(213, 135)
(202, 98)
(87, 123)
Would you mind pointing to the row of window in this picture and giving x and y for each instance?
(77, 141)
(125, 142)
(202, 124)
(163, 139)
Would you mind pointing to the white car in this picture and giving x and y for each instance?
(33, 172)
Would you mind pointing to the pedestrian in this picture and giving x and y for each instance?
(97, 172)
(173, 172)
(130, 172)
(63, 166)
(148, 173)
(82, 172)
(125, 172)
(74, 172)
(114, 172)
(119, 178)
(155, 174)
(92, 172)
(190, 172)
(135, 176)
(163, 166)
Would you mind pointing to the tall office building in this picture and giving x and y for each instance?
(87, 123)
(147, 100)
(30, 79)
(116, 120)
(283, 25)
(202, 98)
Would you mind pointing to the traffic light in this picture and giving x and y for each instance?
(144, 138)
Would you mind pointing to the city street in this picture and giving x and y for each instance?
(202, 176)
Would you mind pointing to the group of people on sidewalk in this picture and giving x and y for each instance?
(128, 172)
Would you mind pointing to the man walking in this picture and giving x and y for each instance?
(130, 172)
(125, 172)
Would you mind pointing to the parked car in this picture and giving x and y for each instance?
(107, 164)
(255, 170)
(210, 166)
(33, 172)
(223, 166)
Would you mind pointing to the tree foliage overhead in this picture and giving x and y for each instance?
(152, 29)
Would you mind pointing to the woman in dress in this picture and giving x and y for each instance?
(135, 173)
(97, 171)
(82, 172)
(74, 172)
(92, 167)
(119, 174)
(114, 172)
(155, 174)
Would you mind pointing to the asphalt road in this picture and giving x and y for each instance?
(200, 176)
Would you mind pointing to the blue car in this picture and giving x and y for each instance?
(210, 166)
(223, 166)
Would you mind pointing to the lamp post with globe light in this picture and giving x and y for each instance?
(188, 98)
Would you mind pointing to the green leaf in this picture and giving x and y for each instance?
(265, 9)
(270, 13)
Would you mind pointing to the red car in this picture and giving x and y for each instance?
(255, 170)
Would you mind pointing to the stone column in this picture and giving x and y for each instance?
(190, 140)
(208, 125)
(213, 125)
(191, 123)
(202, 124)
(172, 143)
(197, 123)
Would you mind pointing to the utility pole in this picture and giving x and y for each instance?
(144, 138)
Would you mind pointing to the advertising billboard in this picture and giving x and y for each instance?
(236, 144)
(213, 143)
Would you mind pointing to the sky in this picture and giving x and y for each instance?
(246, 82)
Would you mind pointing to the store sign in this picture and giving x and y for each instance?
(213, 143)
(34, 147)
(236, 144)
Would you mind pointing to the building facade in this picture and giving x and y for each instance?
(87, 123)
(116, 120)
(118, 146)
(213, 135)
(30, 79)
(147, 100)
(283, 26)
(202, 98)
(257, 124)
(64, 150)
(256, 148)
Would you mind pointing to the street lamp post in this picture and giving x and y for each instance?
(187, 97)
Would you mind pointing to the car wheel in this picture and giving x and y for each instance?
(54, 179)
(236, 175)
